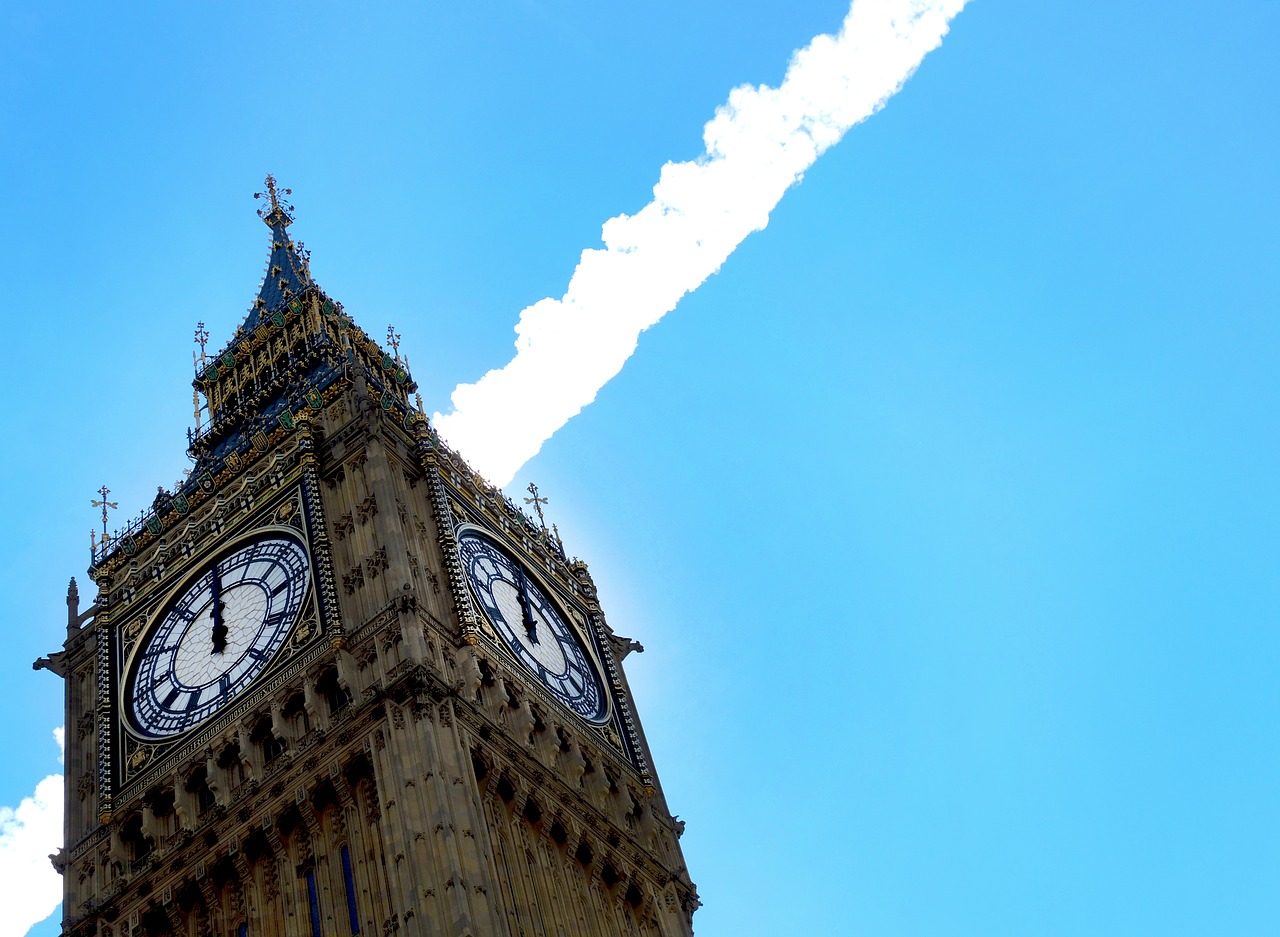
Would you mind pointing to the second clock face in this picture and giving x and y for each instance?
(218, 635)
(532, 626)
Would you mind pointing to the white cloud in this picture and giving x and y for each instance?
(758, 145)
(28, 834)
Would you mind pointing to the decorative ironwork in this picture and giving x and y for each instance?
(537, 503)
(105, 505)
(278, 205)
(202, 338)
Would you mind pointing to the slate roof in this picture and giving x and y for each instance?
(287, 274)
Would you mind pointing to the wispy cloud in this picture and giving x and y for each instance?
(28, 834)
(758, 145)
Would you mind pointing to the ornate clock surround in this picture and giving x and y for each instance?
(280, 501)
(465, 502)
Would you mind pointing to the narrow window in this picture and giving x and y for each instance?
(351, 890)
(315, 903)
(266, 740)
(242, 930)
(333, 692)
(198, 784)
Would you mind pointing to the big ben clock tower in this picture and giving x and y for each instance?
(336, 684)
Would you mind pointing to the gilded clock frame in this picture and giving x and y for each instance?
(195, 570)
(577, 621)
(293, 510)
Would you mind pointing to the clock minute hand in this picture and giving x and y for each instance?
(526, 611)
(219, 626)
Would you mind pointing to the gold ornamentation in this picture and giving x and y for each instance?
(278, 204)
(286, 512)
(105, 505)
(537, 503)
(306, 628)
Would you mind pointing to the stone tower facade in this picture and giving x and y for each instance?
(335, 683)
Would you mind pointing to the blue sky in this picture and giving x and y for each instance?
(946, 510)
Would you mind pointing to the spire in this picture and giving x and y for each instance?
(288, 273)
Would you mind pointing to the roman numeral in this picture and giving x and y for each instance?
(280, 588)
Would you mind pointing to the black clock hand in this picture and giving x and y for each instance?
(219, 626)
(526, 612)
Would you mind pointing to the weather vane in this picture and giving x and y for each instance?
(202, 337)
(278, 204)
(105, 505)
(537, 503)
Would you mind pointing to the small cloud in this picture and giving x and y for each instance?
(29, 834)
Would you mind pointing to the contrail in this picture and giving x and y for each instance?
(758, 145)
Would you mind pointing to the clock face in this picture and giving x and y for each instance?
(224, 627)
(532, 626)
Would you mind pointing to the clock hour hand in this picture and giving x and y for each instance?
(219, 626)
(526, 611)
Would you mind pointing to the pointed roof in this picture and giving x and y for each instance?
(288, 272)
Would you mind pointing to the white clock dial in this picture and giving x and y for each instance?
(217, 635)
(532, 626)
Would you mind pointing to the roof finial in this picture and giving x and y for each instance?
(537, 503)
(202, 338)
(105, 505)
(198, 363)
(280, 208)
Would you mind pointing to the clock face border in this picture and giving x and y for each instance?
(196, 570)
(290, 502)
(553, 596)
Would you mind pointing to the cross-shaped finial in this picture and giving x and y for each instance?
(202, 336)
(278, 205)
(394, 341)
(537, 503)
(104, 504)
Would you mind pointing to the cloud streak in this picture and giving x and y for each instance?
(758, 145)
(28, 834)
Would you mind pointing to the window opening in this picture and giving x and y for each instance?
(314, 901)
(349, 880)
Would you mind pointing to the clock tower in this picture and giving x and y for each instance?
(335, 683)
